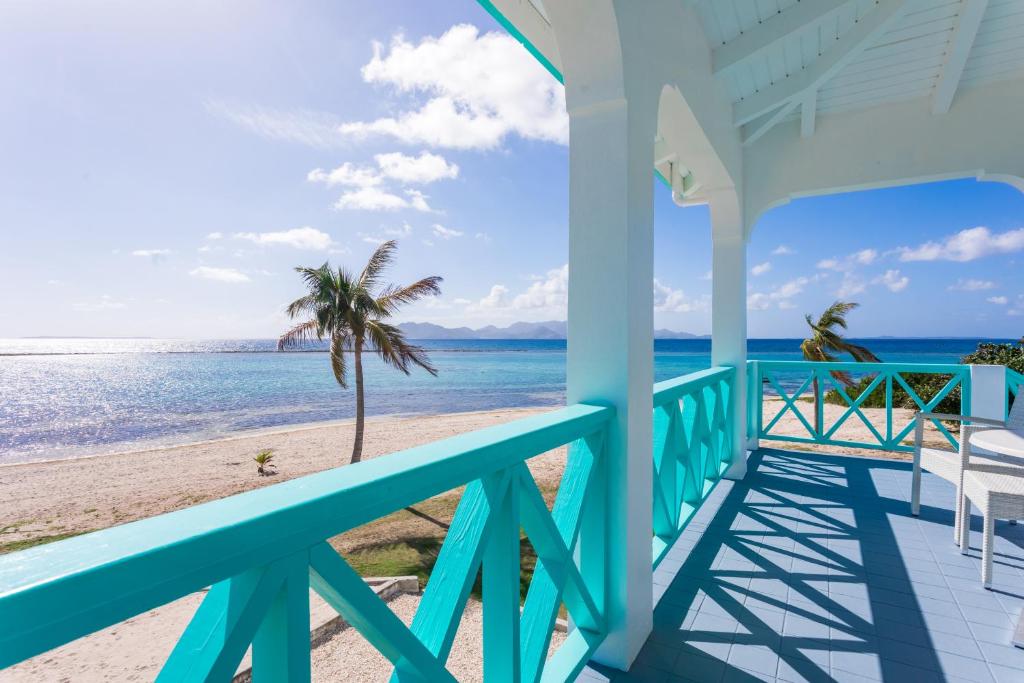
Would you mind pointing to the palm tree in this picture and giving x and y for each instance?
(351, 312)
(825, 340)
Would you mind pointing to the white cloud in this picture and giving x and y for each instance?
(482, 89)
(780, 296)
(229, 275)
(403, 231)
(426, 168)
(850, 285)
(370, 239)
(668, 300)
(865, 257)
(782, 250)
(893, 280)
(550, 292)
(418, 201)
(157, 255)
(298, 238)
(55, 283)
(707, 276)
(104, 303)
(496, 298)
(483, 237)
(761, 268)
(998, 300)
(446, 233)
(375, 199)
(970, 285)
(215, 236)
(966, 245)
(314, 129)
(347, 174)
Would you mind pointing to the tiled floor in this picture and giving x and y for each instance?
(813, 569)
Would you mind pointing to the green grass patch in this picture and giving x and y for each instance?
(24, 544)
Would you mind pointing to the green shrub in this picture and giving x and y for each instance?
(926, 386)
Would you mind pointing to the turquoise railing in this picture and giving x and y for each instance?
(1014, 381)
(263, 550)
(800, 376)
(692, 447)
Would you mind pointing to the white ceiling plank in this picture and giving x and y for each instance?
(808, 112)
(971, 14)
(773, 30)
(847, 48)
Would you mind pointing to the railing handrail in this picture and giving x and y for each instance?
(63, 590)
(926, 368)
(673, 388)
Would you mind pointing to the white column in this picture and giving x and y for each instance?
(988, 392)
(729, 312)
(610, 346)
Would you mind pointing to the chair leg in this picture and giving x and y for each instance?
(986, 550)
(965, 525)
(957, 515)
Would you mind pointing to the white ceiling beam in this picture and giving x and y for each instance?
(959, 49)
(757, 129)
(808, 112)
(846, 49)
(778, 27)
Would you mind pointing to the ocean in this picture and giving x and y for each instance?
(63, 398)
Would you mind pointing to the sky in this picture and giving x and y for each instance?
(164, 166)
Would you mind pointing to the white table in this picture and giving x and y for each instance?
(1001, 441)
(1011, 445)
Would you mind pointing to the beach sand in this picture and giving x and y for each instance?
(45, 500)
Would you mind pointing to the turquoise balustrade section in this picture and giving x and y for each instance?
(261, 552)
(1014, 384)
(793, 382)
(692, 447)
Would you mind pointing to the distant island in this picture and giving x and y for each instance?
(552, 329)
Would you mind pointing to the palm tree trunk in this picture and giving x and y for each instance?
(357, 446)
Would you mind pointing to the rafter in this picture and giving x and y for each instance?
(808, 113)
(968, 22)
(778, 27)
(851, 44)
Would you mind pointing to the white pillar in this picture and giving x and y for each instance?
(988, 392)
(729, 311)
(610, 346)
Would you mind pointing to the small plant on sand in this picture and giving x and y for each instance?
(264, 466)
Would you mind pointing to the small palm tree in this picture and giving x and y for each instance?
(263, 462)
(351, 312)
(825, 340)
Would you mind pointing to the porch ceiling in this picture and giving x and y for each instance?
(805, 61)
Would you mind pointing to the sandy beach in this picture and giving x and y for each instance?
(101, 491)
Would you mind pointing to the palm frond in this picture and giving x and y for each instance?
(302, 332)
(395, 296)
(337, 354)
(379, 260)
(389, 342)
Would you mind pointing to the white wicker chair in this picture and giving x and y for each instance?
(999, 495)
(950, 465)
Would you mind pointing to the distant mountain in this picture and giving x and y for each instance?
(552, 329)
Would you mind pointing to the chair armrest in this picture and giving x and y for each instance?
(961, 418)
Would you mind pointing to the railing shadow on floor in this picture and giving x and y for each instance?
(804, 570)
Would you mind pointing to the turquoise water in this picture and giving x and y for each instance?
(64, 398)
